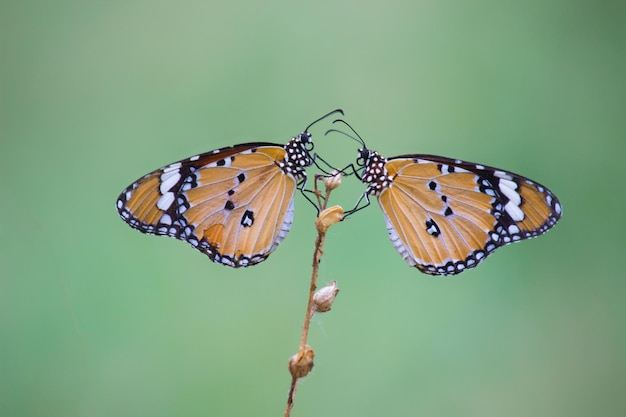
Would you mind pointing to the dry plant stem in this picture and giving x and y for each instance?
(310, 310)
(317, 256)
(292, 394)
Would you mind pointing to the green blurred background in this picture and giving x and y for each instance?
(97, 319)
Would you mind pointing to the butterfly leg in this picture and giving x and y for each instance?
(356, 206)
(316, 158)
(301, 187)
(350, 170)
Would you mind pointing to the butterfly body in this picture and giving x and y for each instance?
(233, 204)
(445, 215)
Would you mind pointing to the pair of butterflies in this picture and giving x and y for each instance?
(236, 204)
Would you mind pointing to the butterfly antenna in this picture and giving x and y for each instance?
(358, 139)
(323, 117)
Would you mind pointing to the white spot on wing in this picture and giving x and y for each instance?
(168, 180)
(509, 188)
(172, 167)
(514, 211)
(165, 201)
(503, 175)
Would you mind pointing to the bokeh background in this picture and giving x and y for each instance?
(97, 319)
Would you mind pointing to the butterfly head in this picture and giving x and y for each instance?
(364, 157)
(374, 173)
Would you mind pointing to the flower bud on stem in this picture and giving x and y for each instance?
(324, 297)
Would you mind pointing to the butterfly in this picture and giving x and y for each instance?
(445, 215)
(233, 204)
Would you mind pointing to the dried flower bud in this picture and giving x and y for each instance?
(301, 363)
(324, 297)
(333, 181)
(328, 217)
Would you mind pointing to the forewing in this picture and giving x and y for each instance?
(233, 204)
(445, 215)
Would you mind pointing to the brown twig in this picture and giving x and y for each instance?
(301, 363)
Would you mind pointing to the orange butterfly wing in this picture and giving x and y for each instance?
(233, 204)
(444, 215)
